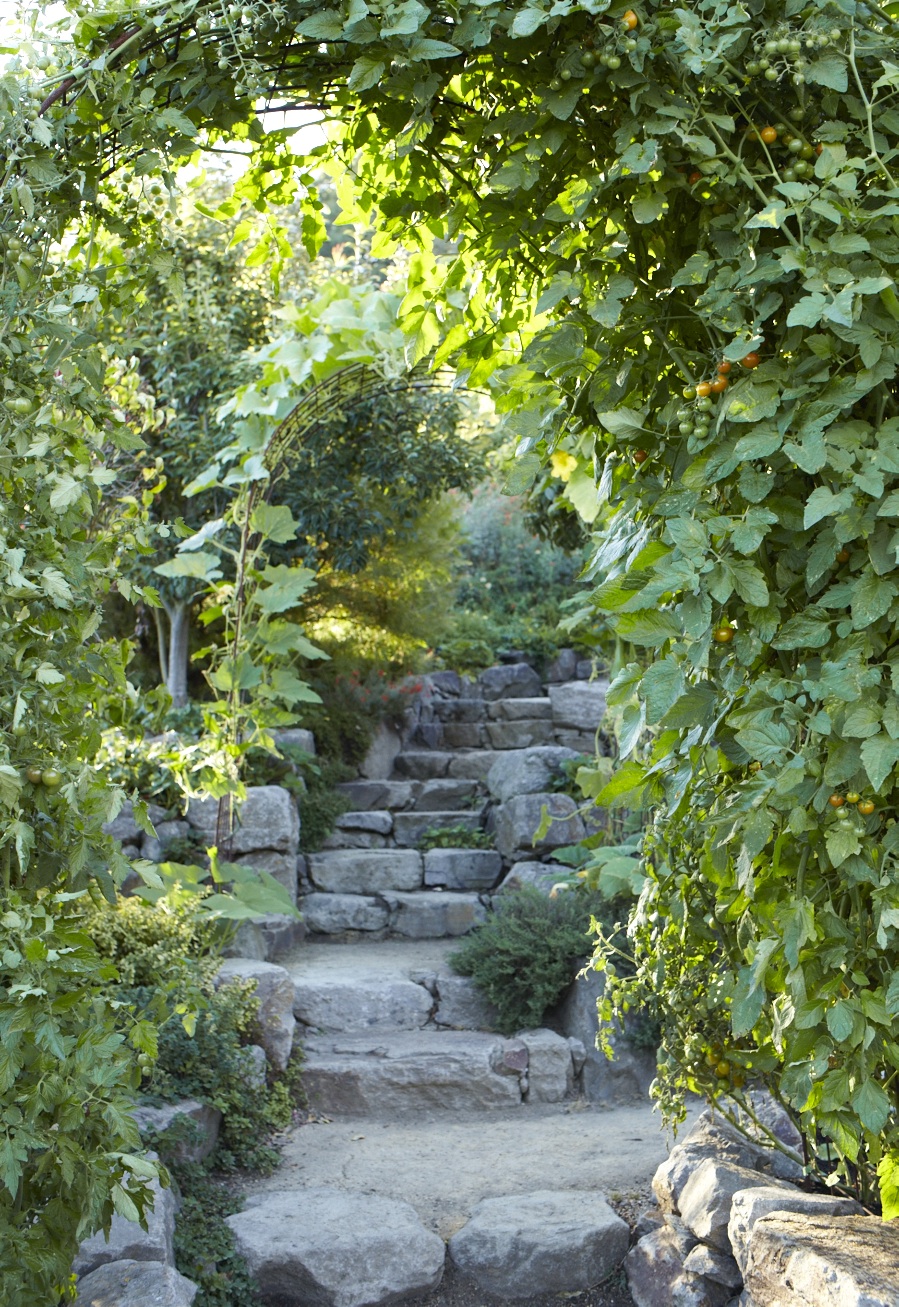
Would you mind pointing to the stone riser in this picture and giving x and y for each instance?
(422, 914)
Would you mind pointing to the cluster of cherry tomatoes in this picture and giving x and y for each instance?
(865, 806)
(799, 151)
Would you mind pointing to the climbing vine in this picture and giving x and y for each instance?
(667, 238)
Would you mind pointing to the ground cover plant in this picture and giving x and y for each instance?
(698, 204)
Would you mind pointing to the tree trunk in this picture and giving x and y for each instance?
(178, 614)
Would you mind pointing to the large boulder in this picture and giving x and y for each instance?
(519, 710)
(519, 819)
(366, 871)
(275, 992)
(267, 819)
(326, 1248)
(461, 1005)
(282, 866)
(750, 1205)
(795, 1260)
(517, 681)
(626, 1077)
(712, 1137)
(579, 705)
(127, 1241)
(544, 1242)
(131, 1283)
(526, 771)
(705, 1200)
(519, 734)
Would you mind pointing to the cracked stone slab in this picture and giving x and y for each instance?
(365, 871)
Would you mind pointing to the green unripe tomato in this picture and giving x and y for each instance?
(588, 58)
(52, 778)
(20, 731)
(753, 68)
(807, 152)
(685, 428)
(689, 392)
(770, 75)
(555, 84)
(34, 774)
(614, 62)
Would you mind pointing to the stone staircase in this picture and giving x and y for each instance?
(387, 1027)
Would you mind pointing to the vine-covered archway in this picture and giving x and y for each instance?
(673, 241)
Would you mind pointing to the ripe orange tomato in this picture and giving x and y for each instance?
(768, 135)
(723, 634)
(703, 389)
(640, 456)
(866, 807)
(717, 387)
(843, 556)
(630, 20)
(750, 360)
(723, 368)
(836, 800)
(694, 178)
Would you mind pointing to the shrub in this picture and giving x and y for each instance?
(522, 957)
(455, 837)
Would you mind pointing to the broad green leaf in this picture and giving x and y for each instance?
(626, 787)
(808, 630)
(888, 1173)
(649, 627)
(840, 1020)
(275, 522)
(842, 841)
(766, 741)
(662, 685)
(824, 503)
(872, 1105)
(872, 596)
(200, 565)
(284, 588)
(879, 754)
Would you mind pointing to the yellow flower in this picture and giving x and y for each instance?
(562, 464)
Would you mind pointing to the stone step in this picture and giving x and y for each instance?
(472, 764)
(421, 914)
(368, 829)
(519, 734)
(432, 914)
(443, 794)
(366, 871)
(462, 869)
(422, 764)
(354, 1004)
(516, 710)
(410, 827)
(392, 795)
(379, 1074)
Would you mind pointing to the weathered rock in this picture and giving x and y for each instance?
(295, 737)
(282, 866)
(445, 795)
(168, 831)
(346, 1004)
(828, 1261)
(474, 765)
(515, 681)
(656, 1263)
(256, 1071)
(705, 1199)
(131, 1283)
(393, 795)
(197, 1125)
(410, 827)
(540, 875)
(377, 765)
(280, 933)
(579, 705)
(421, 764)
(624, 1079)
(331, 914)
(384, 1073)
(750, 1205)
(267, 819)
(247, 941)
(525, 771)
(461, 1005)
(462, 735)
(518, 820)
(364, 872)
(539, 1243)
(275, 992)
(465, 869)
(519, 734)
(689, 1290)
(433, 914)
(460, 710)
(713, 1137)
(563, 667)
(127, 1241)
(375, 821)
(550, 1072)
(446, 682)
(354, 839)
(583, 743)
(327, 1248)
(517, 710)
(714, 1265)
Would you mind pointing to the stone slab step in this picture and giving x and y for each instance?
(446, 794)
(462, 869)
(355, 1004)
(392, 795)
(380, 1074)
(516, 710)
(472, 764)
(409, 827)
(421, 764)
(432, 914)
(519, 734)
(335, 914)
(365, 871)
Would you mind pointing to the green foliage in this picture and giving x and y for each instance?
(67, 1077)
(204, 1246)
(454, 837)
(152, 948)
(509, 586)
(522, 958)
